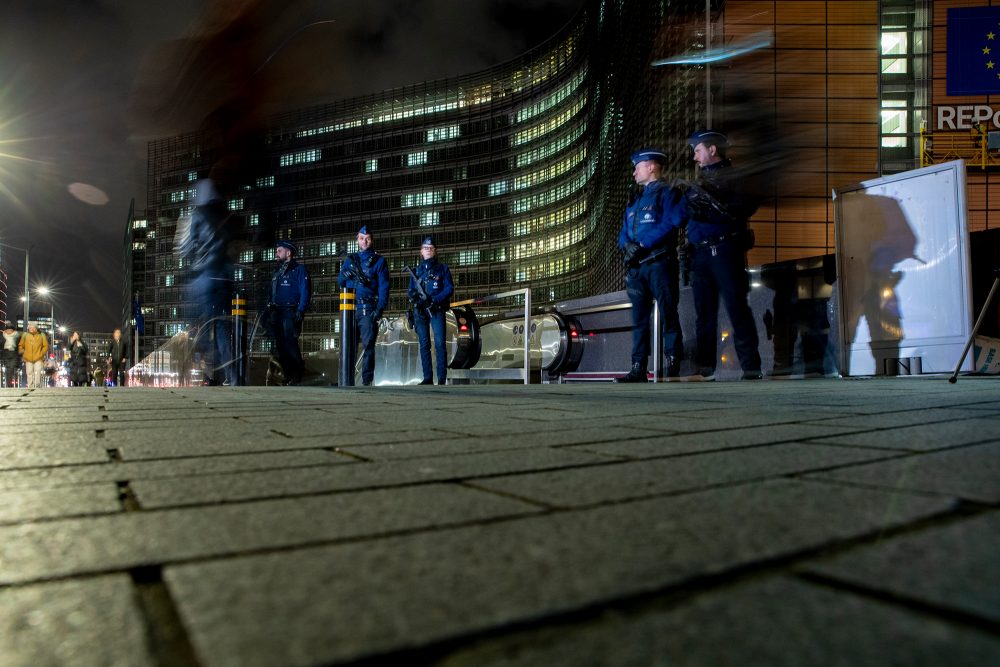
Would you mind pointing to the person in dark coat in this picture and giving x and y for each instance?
(79, 361)
(118, 355)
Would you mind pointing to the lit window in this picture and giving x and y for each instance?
(168, 280)
(430, 218)
(371, 166)
(254, 219)
(267, 255)
(246, 256)
(426, 198)
(327, 248)
(138, 245)
(192, 176)
(467, 257)
(443, 133)
(894, 43)
(139, 224)
(414, 159)
(498, 188)
(266, 182)
(302, 157)
(235, 204)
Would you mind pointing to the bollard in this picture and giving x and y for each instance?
(348, 339)
(239, 314)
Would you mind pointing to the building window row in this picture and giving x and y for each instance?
(551, 171)
(550, 125)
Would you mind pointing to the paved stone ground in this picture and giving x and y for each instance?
(822, 522)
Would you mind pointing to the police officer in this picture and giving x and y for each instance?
(367, 273)
(290, 294)
(430, 292)
(719, 233)
(649, 240)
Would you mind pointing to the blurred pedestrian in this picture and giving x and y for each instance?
(79, 361)
(118, 356)
(205, 246)
(34, 348)
(9, 358)
(290, 294)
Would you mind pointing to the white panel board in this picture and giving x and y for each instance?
(904, 286)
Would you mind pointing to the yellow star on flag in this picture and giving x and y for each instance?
(989, 65)
(986, 51)
(990, 35)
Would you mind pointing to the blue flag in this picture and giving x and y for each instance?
(140, 325)
(973, 51)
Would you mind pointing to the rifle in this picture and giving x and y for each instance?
(353, 272)
(423, 300)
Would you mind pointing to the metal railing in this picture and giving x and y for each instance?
(971, 146)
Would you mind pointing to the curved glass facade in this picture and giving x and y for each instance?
(520, 172)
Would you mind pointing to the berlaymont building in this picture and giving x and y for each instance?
(521, 171)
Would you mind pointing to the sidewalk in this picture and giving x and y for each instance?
(813, 522)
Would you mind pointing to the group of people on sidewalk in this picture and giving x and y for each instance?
(704, 222)
(31, 349)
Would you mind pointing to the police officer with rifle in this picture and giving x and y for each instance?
(719, 234)
(367, 273)
(430, 293)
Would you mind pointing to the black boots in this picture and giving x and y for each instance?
(637, 374)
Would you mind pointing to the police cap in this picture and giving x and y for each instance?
(708, 137)
(364, 230)
(654, 154)
(284, 243)
(428, 240)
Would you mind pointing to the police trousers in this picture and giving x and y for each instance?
(286, 343)
(720, 271)
(367, 334)
(655, 280)
(423, 323)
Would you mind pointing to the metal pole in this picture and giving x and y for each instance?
(708, 68)
(27, 294)
(527, 337)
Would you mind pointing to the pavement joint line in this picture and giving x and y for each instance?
(167, 638)
(351, 455)
(873, 486)
(513, 496)
(912, 604)
(99, 433)
(114, 455)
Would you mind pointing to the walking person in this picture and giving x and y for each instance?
(430, 293)
(648, 237)
(367, 273)
(290, 294)
(718, 230)
(79, 361)
(9, 357)
(118, 356)
(33, 348)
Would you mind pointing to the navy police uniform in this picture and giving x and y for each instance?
(718, 232)
(370, 300)
(649, 238)
(428, 315)
(290, 294)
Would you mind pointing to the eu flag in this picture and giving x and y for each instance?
(140, 324)
(973, 51)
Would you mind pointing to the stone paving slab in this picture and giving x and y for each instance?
(950, 567)
(27, 450)
(926, 437)
(51, 549)
(636, 479)
(34, 504)
(335, 604)
(59, 476)
(774, 622)
(971, 472)
(304, 481)
(85, 623)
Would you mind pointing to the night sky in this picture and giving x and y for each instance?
(75, 100)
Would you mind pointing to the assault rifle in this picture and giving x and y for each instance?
(423, 300)
(353, 272)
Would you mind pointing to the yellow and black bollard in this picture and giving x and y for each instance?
(348, 339)
(239, 314)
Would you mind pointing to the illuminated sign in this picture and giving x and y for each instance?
(966, 117)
